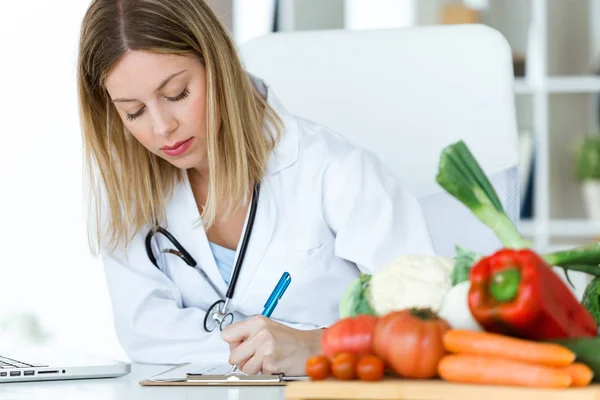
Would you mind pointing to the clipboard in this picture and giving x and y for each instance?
(241, 379)
(237, 378)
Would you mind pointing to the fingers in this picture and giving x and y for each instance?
(271, 365)
(242, 353)
(234, 345)
(235, 333)
(240, 331)
(253, 366)
(267, 364)
(249, 355)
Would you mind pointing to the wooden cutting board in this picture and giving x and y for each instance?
(427, 390)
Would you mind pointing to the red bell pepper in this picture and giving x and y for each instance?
(515, 292)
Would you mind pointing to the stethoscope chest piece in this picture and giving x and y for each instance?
(217, 317)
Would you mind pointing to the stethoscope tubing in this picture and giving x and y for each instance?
(244, 245)
(215, 312)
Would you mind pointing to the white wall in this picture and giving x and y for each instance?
(252, 19)
(45, 263)
(379, 14)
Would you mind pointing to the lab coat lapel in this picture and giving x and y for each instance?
(284, 155)
(262, 231)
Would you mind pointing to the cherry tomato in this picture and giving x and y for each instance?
(318, 367)
(370, 368)
(343, 366)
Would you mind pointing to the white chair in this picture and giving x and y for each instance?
(405, 94)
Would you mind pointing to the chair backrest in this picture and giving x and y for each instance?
(405, 94)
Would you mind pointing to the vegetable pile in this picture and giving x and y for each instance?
(504, 318)
(418, 344)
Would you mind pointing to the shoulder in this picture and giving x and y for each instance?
(321, 146)
(337, 156)
(310, 152)
(308, 144)
(317, 138)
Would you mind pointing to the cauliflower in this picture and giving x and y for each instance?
(411, 281)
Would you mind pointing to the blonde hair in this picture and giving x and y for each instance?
(137, 183)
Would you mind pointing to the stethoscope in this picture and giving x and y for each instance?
(217, 315)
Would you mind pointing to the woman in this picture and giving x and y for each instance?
(178, 136)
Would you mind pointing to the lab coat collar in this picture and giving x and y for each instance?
(286, 149)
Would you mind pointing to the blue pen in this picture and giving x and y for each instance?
(273, 299)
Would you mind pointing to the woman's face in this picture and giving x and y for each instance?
(161, 99)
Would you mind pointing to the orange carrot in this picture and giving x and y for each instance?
(580, 373)
(486, 370)
(493, 344)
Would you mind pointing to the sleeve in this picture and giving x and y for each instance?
(150, 320)
(374, 217)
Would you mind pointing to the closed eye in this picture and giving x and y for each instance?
(131, 117)
(183, 95)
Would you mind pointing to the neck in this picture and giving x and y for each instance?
(200, 172)
(198, 178)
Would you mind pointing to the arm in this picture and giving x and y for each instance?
(151, 323)
(374, 218)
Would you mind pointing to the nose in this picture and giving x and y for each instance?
(163, 123)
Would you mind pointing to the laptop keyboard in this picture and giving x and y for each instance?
(7, 363)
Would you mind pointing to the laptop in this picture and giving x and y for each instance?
(40, 363)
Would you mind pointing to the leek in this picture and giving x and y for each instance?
(462, 177)
(581, 255)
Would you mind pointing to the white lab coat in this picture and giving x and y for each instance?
(326, 211)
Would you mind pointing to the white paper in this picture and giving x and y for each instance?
(179, 373)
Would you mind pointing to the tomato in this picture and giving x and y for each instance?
(410, 342)
(343, 366)
(370, 368)
(318, 367)
(352, 335)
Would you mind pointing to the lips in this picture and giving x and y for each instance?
(176, 145)
(178, 148)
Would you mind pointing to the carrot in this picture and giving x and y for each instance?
(580, 373)
(487, 370)
(493, 344)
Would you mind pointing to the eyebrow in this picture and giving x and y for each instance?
(162, 85)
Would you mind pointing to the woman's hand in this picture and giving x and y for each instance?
(260, 344)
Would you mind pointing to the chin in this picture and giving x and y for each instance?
(184, 163)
